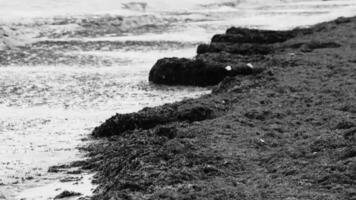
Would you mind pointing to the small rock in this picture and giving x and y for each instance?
(56, 169)
(75, 172)
(70, 179)
(66, 194)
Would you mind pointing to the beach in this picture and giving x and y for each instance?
(286, 131)
(66, 67)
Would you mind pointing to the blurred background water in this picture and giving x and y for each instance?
(87, 60)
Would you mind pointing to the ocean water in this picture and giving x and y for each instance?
(87, 60)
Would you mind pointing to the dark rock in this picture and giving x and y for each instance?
(70, 179)
(53, 170)
(66, 194)
(75, 172)
(59, 168)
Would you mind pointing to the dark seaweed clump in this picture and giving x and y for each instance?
(283, 132)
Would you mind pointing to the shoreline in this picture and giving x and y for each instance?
(287, 132)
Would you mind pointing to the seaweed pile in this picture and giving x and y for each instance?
(286, 131)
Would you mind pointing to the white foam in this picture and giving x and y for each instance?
(193, 36)
(49, 191)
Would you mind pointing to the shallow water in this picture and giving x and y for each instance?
(90, 59)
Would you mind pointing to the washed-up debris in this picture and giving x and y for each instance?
(67, 194)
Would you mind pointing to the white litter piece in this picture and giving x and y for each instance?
(228, 68)
(250, 65)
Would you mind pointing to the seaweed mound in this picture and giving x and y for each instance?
(287, 132)
(203, 71)
(198, 72)
(186, 111)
